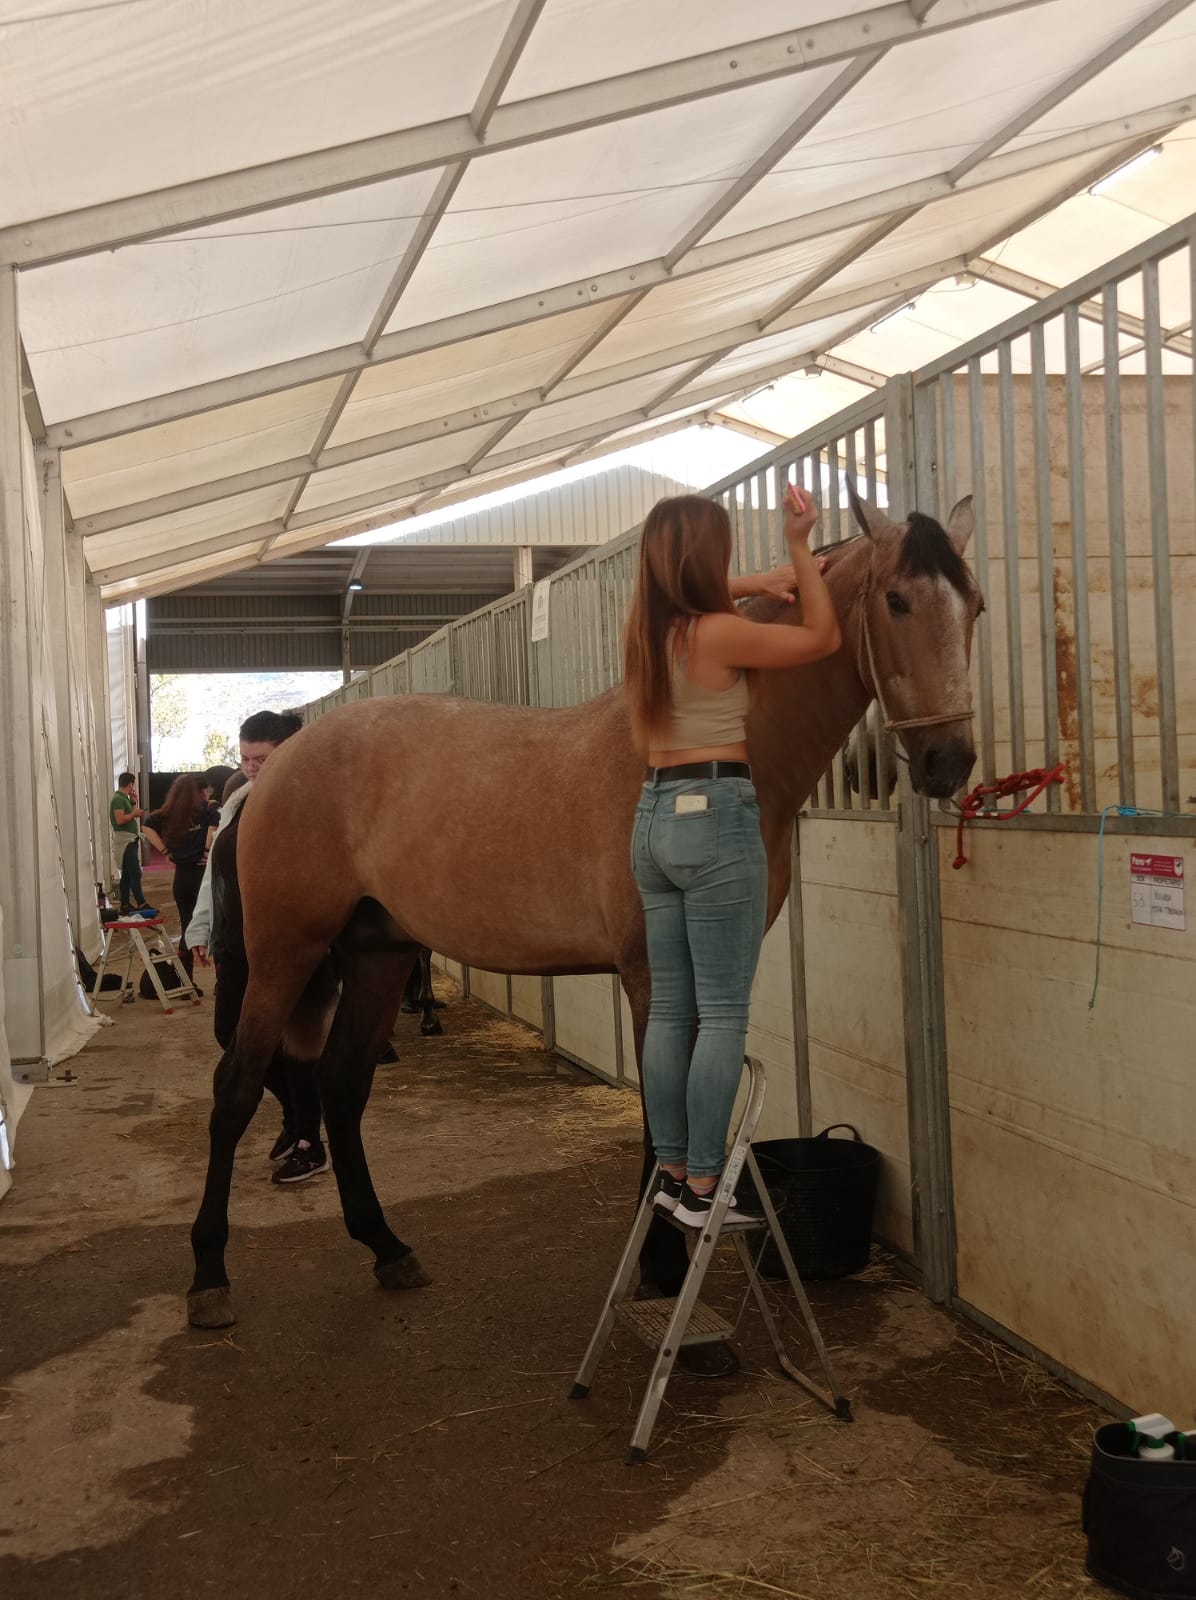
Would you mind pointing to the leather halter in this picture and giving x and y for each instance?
(869, 655)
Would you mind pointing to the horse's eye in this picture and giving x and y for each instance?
(896, 604)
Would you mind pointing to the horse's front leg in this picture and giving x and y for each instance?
(373, 980)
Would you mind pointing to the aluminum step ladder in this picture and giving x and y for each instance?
(672, 1324)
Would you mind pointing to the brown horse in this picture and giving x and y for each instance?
(500, 836)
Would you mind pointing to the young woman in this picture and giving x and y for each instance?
(696, 849)
(183, 830)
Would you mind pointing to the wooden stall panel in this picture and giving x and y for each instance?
(631, 1071)
(853, 999)
(527, 1000)
(770, 1033)
(585, 1022)
(1072, 1143)
(489, 987)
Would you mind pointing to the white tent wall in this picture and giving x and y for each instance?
(1038, 1167)
(44, 822)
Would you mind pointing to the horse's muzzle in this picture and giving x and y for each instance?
(939, 768)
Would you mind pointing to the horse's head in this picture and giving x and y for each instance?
(918, 609)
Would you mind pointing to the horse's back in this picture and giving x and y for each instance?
(461, 816)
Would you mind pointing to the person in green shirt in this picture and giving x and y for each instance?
(124, 814)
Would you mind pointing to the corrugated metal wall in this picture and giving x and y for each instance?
(592, 510)
(292, 632)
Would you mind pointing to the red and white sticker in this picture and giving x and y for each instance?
(1157, 891)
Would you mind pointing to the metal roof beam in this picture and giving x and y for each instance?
(40, 241)
(750, 430)
(868, 376)
(635, 279)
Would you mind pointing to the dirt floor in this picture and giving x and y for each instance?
(341, 1440)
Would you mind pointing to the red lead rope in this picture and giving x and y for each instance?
(975, 803)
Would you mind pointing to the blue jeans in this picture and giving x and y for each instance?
(703, 879)
(130, 875)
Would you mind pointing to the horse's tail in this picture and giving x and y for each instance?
(307, 1027)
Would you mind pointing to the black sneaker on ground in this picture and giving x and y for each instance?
(669, 1193)
(693, 1209)
(283, 1145)
(305, 1161)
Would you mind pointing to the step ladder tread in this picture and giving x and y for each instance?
(650, 1320)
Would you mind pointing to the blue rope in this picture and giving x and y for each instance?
(1121, 811)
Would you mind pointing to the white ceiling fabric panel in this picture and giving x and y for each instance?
(577, 41)
(178, 455)
(396, 466)
(779, 347)
(193, 87)
(107, 329)
(569, 208)
(566, 415)
(469, 373)
(185, 527)
(798, 404)
(883, 134)
(707, 302)
(1157, 70)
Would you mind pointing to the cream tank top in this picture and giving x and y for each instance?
(704, 718)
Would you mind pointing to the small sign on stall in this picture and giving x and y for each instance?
(540, 610)
(1157, 891)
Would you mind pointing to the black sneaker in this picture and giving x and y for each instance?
(146, 911)
(669, 1193)
(283, 1145)
(692, 1210)
(305, 1161)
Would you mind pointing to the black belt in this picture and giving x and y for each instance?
(699, 769)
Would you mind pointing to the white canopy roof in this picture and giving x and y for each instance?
(289, 271)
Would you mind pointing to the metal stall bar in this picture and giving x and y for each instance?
(1160, 539)
(1046, 559)
(1118, 574)
(920, 922)
(984, 643)
(1081, 630)
(1013, 599)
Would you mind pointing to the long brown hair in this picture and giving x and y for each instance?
(180, 811)
(685, 556)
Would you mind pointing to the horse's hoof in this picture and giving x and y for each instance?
(405, 1273)
(708, 1360)
(211, 1308)
(431, 1029)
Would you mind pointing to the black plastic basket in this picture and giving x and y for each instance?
(1140, 1518)
(824, 1191)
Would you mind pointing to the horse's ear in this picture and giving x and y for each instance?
(864, 513)
(961, 523)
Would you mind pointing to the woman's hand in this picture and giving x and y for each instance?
(800, 516)
(200, 952)
(780, 583)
